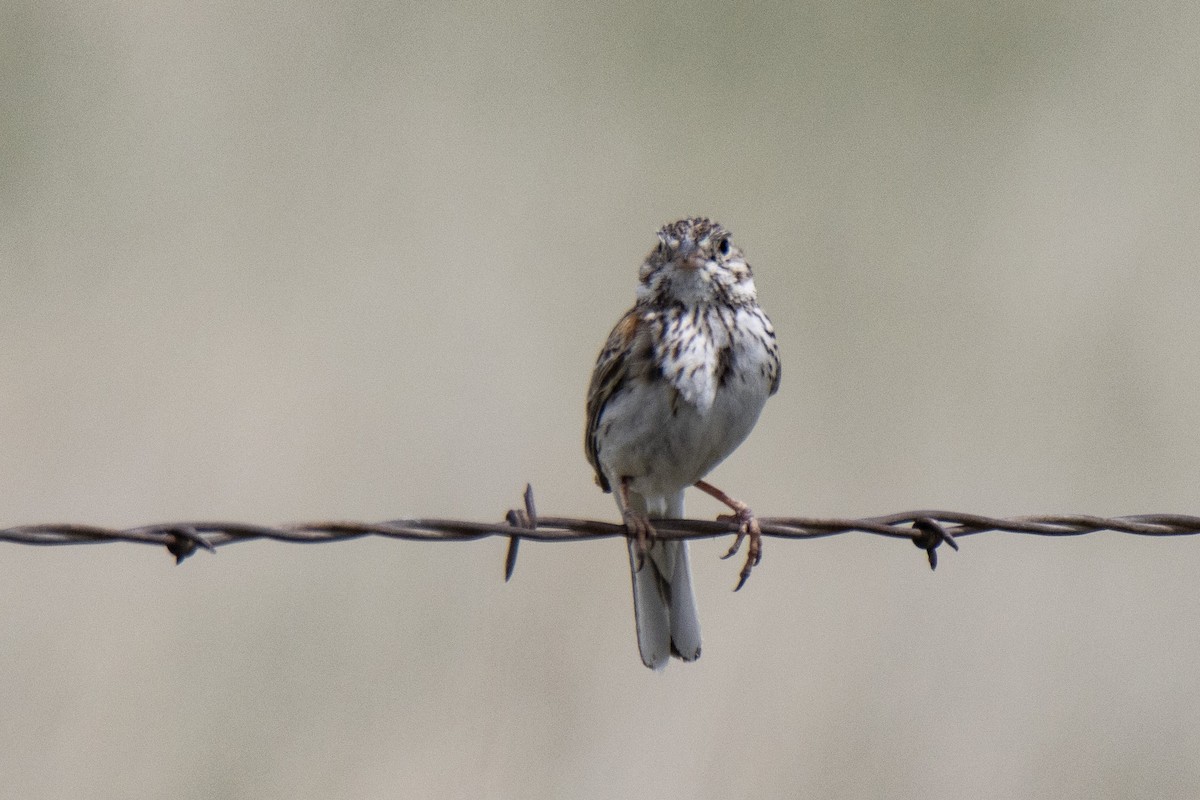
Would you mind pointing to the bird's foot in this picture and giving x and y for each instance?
(639, 527)
(747, 528)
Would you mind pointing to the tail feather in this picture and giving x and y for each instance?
(685, 621)
(664, 603)
(651, 609)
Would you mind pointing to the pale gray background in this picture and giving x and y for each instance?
(290, 262)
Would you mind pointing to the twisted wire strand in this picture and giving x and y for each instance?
(927, 529)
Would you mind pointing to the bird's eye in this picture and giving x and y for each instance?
(723, 246)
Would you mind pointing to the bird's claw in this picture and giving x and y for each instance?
(747, 528)
(639, 527)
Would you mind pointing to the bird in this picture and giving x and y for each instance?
(678, 385)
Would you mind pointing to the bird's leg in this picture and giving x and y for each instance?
(747, 526)
(637, 523)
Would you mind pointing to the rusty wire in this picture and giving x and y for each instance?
(927, 529)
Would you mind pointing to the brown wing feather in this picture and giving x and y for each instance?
(777, 369)
(611, 371)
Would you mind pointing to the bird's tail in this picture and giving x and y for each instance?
(664, 603)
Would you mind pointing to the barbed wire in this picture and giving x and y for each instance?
(927, 529)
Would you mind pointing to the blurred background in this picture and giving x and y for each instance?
(298, 261)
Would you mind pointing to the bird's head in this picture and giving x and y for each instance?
(695, 263)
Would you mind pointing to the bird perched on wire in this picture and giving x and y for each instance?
(678, 386)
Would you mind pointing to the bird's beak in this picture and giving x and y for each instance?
(690, 258)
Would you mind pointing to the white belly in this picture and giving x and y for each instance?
(665, 443)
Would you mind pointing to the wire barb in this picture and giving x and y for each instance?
(184, 541)
(929, 535)
(519, 518)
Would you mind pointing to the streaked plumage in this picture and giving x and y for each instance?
(678, 386)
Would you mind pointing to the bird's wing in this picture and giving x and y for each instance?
(611, 372)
